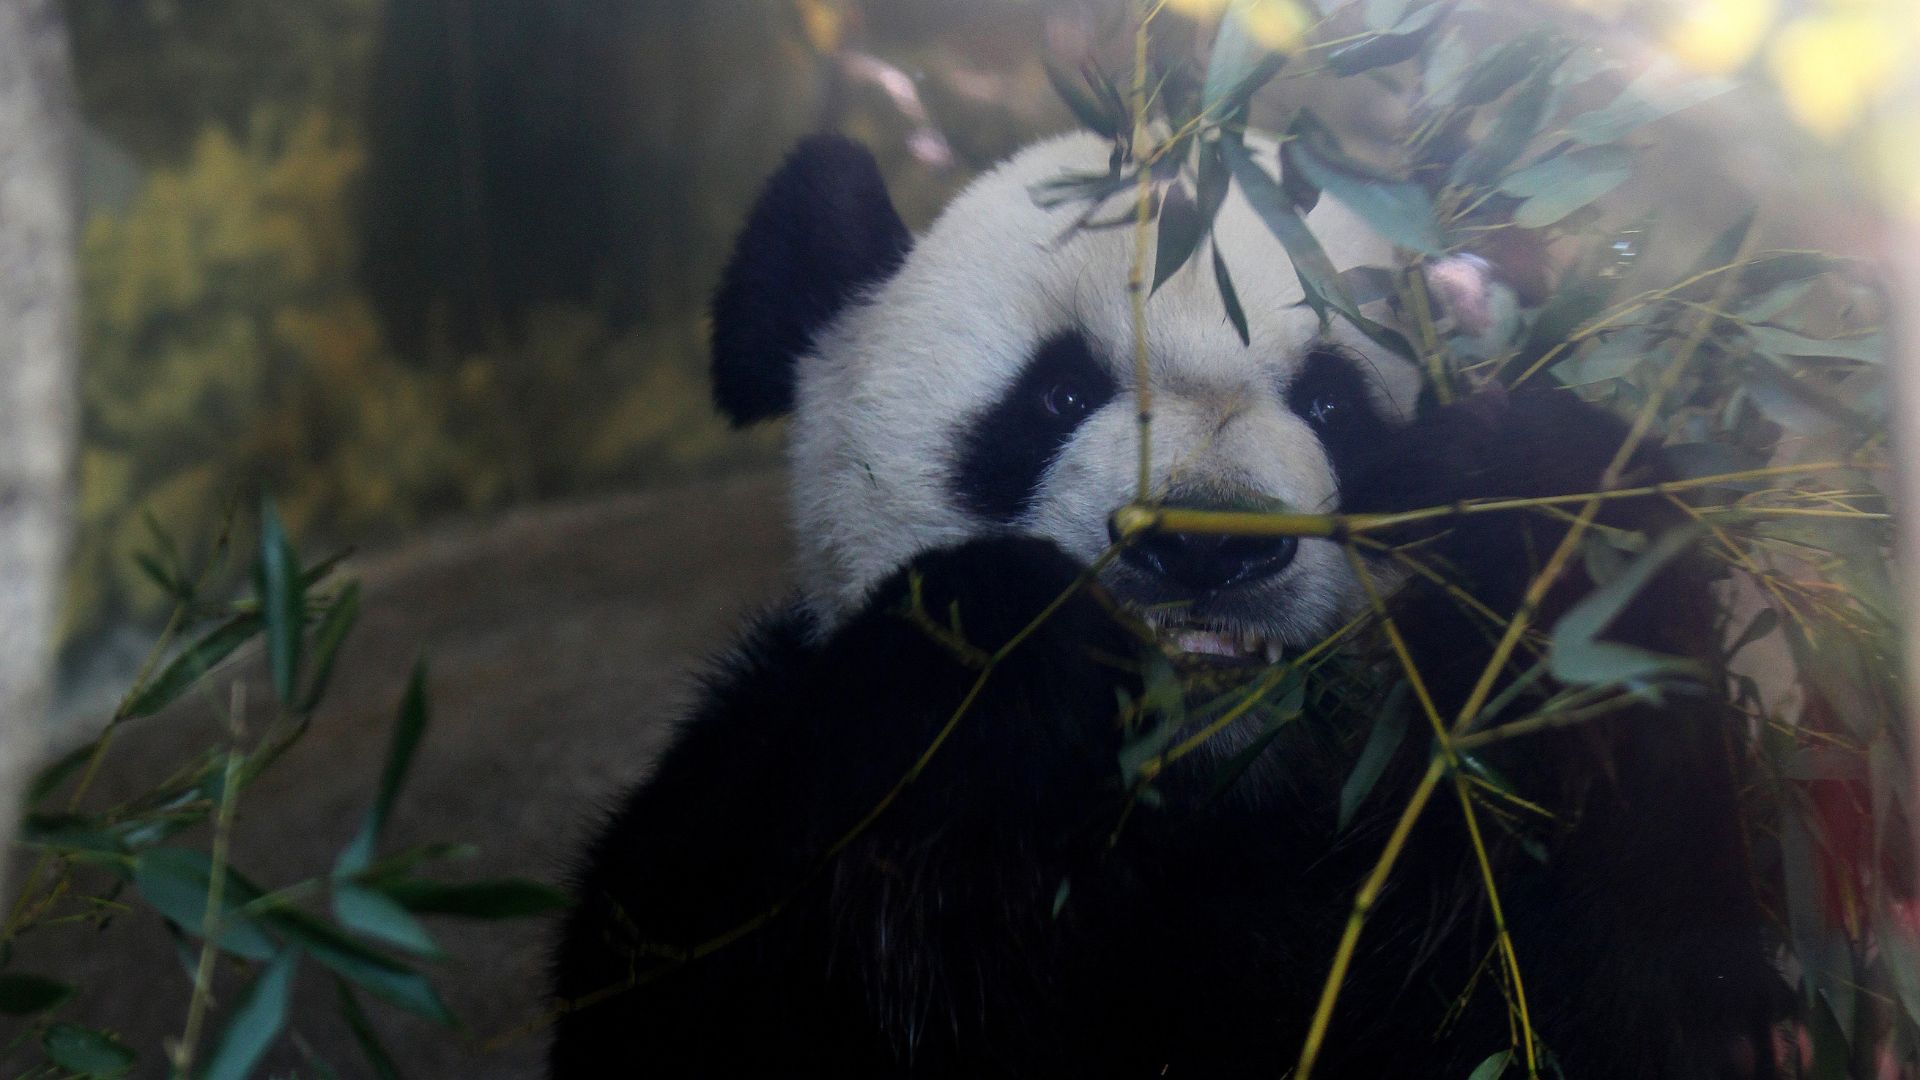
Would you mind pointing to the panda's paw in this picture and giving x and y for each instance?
(1530, 443)
(986, 593)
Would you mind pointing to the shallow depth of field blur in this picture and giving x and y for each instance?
(405, 261)
(432, 274)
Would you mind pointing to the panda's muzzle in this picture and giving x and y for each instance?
(1200, 563)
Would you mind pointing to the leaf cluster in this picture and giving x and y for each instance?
(360, 924)
(1757, 371)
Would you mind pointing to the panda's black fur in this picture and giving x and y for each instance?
(991, 920)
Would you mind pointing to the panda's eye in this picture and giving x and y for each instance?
(1328, 409)
(1065, 400)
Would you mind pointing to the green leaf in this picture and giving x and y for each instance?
(1558, 186)
(1613, 357)
(48, 780)
(507, 898)
(1513, 129)
(176, 882)
(407, 731)
(364, 1034)
(1579, 657)
(1237, 66)
(1229, 298)
(1060, 896)
(187, 669)
(1567, 312)
(282, 601)
(1763, 305)
(1399, 211)
(1775, 341)
(22, 994)
(256, 1022)
(327, 640)
(70, 833)
(1799, 405)
(1389, 731)
(377, 915)
(1764, 622)
(1316, 272)
(1503, 70)
(1211, 182)
(86, 1051)
(1493, 1068)
(1383, 14)
(1181, 228)
(1726, 247)
(400, 863)
(1446, 65)
(1275, 716)
(1648, 98)
(1402, 43)
(373, 971)
(1086, 107)
(1318, 280)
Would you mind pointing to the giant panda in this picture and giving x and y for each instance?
(860, 856)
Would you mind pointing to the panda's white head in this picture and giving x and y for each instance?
(980, 379)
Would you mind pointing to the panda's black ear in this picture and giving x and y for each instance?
(823, 228)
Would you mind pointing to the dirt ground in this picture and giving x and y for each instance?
(561, 642)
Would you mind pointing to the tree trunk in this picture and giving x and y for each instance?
(38, 299)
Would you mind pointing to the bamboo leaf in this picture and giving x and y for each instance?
(1317, 276)
(327, 640)
(86, 1052)
(257, 1020)
(1516, 125)
(407, 732)
(1558, 186)
(1399, 211)
(176, 882)
(1394, 46)
(1389, 731)
(1764, 622)
(1650, 97)
(1493, 1068)
(1181, 228)
(22, 994)
(282, 602)
(363, 1033)
(183, 671)
(1579, 657)
(1503, 70)
(70, 833)
(373, 971)
(1237, 66)
(1229, 298)
(1775, 341)
(379, 916)
(1086, 107)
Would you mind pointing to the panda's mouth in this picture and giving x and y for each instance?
(1216, 645)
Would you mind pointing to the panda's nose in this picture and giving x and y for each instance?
(1205, 562)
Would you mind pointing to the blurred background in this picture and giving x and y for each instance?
(399, 261)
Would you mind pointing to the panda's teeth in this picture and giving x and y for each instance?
(1274, 652)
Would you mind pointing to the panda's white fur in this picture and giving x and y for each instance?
(883, 397)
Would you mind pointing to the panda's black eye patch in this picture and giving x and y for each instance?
(1331, 395)
(1008, 446)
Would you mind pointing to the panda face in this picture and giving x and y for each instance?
(984, 382)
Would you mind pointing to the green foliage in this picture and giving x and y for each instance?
(1759, 369)
(375, 940)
